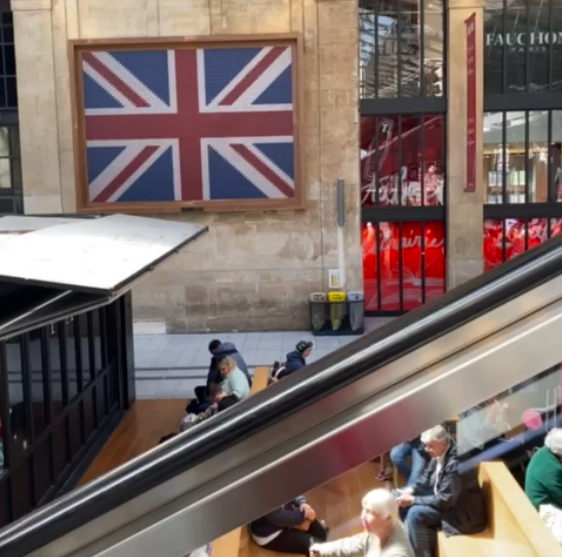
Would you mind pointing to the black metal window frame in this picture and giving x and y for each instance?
(526, 98)
(47, 437)
(371, 9)
(421, 106)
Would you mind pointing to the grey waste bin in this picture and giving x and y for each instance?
(317, 310)
(356, 310)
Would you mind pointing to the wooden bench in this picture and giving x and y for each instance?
(515, 528)
(229, 545)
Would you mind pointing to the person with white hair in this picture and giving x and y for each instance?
(383, 535)
(543, 482)
(441, 498)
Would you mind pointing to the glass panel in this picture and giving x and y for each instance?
(5, 176)
(43, 468)
(493, 244)
(537, 232)
(96, 331)
(435, 263)
(22, 491)
(515, 230)
(370, 276)
(493, 45)
(5, 517)
(36, 359)
(556, 47)
(85, 350)
(89, 422)
(4, 142)
(514, 40)
(412, 262)
(433, 160)
(71, 363)
(493, 156)
(60, 447)
(538, 156)
(401, 48)
(10, 58)
(100, 400)
(8, 34)
(14, 141)
(57, 391)
(18, 410)
(515, 149)
(397, 155)
(556, 155)
(555, 227)
(75, 430)
(390, 290)
(12, 99)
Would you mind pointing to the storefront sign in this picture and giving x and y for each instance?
(471, 103)
(537, 41)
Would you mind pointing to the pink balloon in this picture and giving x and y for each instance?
(532, 419)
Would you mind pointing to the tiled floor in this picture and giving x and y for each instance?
(170, 366)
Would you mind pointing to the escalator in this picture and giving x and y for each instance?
(481, 340)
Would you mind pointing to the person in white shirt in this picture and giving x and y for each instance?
(384, 535)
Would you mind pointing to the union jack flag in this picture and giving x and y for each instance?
(189, 124)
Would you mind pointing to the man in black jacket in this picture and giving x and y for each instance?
(292, 528)
(441, 498)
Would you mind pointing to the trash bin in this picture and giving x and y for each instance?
(317, 310)
(356, 305)
(337, 309)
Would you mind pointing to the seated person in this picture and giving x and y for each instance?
(384, 535)
(543, 482)
(297, 359)
(413, 450)
(219, 350)
(441, 498)
(233, 389)
(292, 528)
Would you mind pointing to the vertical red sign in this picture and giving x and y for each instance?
(470, 24)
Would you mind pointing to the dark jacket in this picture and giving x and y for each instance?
(459, 499)
(226, 349)
(287, 516)
(543, 479)
(294, 362)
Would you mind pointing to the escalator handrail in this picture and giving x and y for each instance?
(348, 364)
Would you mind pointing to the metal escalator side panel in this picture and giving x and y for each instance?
(450, 325)
(338, 443)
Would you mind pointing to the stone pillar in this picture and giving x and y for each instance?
(464, 210)
(37, 106)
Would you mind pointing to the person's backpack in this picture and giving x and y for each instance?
(277, 372)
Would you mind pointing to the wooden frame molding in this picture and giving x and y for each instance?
(77, 47)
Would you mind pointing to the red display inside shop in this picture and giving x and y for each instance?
(504, 240)
(402, 160)
(402, 278)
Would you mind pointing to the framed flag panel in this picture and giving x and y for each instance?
(170, 124)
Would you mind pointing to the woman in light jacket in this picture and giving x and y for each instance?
(384, 535)
(234, 386)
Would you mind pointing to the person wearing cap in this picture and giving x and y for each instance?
(297, 359)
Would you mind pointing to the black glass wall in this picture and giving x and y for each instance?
(61, 389)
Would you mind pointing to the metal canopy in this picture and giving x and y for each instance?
(96, 256)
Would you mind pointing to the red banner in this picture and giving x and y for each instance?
(471, 103)
(398, 275)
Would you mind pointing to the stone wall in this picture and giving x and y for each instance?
(253, 270)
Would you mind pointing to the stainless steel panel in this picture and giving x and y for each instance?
(93, 255)
(324, 440)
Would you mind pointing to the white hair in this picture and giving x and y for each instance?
(553, 441)
(382, 503)
(436, 433)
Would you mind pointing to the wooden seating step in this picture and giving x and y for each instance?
(515, 528)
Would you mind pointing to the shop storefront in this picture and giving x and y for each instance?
(522, 132)
(403, 159)
(404, 141)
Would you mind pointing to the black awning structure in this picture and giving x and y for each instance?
(52, 268)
